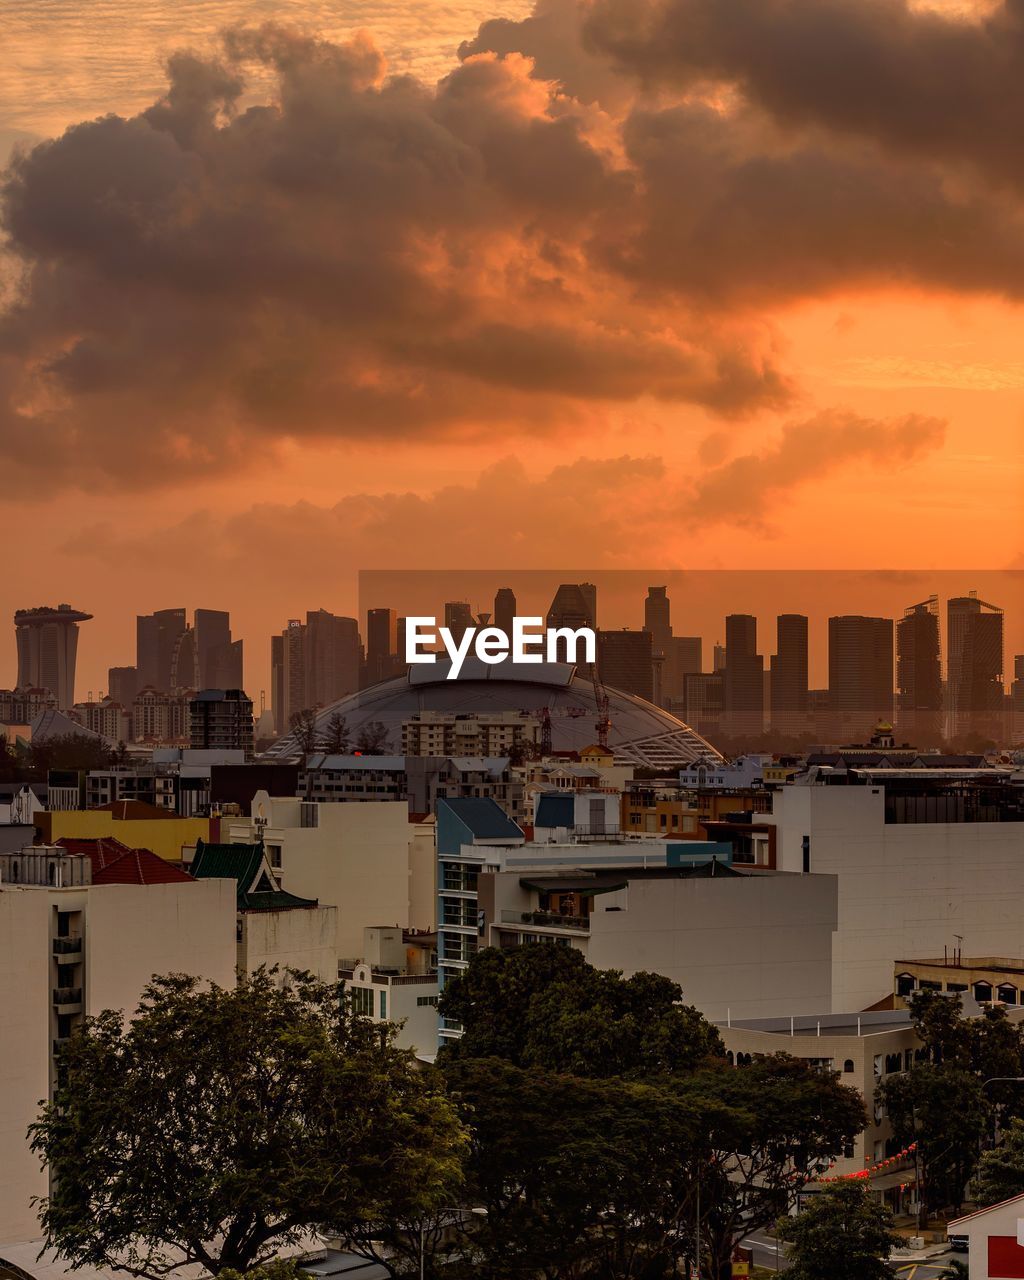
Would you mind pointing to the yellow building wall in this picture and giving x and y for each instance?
(165, 836)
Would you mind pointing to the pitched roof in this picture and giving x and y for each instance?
(484, 817)
(979, 1213)
(247, 865)
(114, 863)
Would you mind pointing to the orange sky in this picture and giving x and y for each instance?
(548, 313)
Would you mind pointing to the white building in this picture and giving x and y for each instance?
(396, 982)
(68, 949)
(354, 857)
(995, 1240)
(909, 883)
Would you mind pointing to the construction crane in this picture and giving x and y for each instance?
(604, 720)
(545, 731)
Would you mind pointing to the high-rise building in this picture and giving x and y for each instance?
(704, 702)
(293, 675)
(381, 645)
(788, 694)
(504, 609)
(718, 658)
(47, 650)
(919, 674)
(219, 657)
(860, 674)
(156, 641)
(574, 605)
(334, 655)
(974, 667)
(624, 661)
(123, 685)
(744, 677)
(658, 619)
(458, 618)
(277, 698)
(221, 719)
(1016, 709)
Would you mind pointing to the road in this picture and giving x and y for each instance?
(764, 1247)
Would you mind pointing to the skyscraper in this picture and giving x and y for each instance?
(658, 619)
(919, 674)
(156, 635)
(221, 719)
(624, 661)
(293, 672)
(123, 685)
(277, 698)
(504, 609)
(48, 649)
(860, 674)
(219, 657)
(744, 678)
(788, 693)
(381, 645)
(574, 605)
(458, 618)
(333, 657)
(974, 667)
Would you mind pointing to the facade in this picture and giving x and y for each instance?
(983, 979)
(574, 605)
(47, 650)
(788, 686)
(504, 609)
(862, 1048)
(919, 674)
(354, 857)
(920, 856)
(162, 718)
(313, 663)
(625, 660)
(396, 981)
(995, 1240)
(133, 823)
(744, 678)
(860, 674)
(107, 718)
(156, 641)
(218, 657)
(123, 685)
(974, 669)
(70, 948)
(381, 646)
(434, 733)
(221, 720)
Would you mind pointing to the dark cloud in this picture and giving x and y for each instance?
(929, 84)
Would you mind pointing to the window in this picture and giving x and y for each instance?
(904, 984)
(1007, 993)
(878, 1066)
(848, 1065)
(983, 992)
(383, 1004)
(423, 1002)
(274, 854)
(362, 1001)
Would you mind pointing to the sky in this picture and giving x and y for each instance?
(323, 287)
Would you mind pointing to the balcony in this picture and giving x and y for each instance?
(67, 946)
(65, 996)
(547, 920)
(59, 1044)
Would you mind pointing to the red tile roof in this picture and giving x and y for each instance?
(114, 863)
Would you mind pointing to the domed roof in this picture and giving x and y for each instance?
(641, 733)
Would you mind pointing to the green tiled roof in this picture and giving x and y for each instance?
(245, 864)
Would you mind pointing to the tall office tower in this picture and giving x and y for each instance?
(718, 658)
(47, 650)
(974, 667)
(381, 645)
(156, 638)
(788, 694)
(624, 661)
(574, 605)
(277, 698)
(1016, 708)
(334, 655)
(458, 618)
(704, 702)
(221, 720)
(744, 678)
(919, 675)
(658, 618)
(219, 657)
(293, 671)
(504, 609)
(185, 663)
(860, 674)
(123, 685)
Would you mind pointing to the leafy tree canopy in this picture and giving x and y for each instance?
(842, 1235)
(543, 1006)
(220, 1124)
(1000, 1173)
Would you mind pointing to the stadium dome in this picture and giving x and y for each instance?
(640, 734)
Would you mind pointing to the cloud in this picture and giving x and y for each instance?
(747, 490)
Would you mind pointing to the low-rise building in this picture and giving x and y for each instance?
(70, 948)
(436, 733)
(135, 823)
(995, 1239)
(984, 979)
(396, 981)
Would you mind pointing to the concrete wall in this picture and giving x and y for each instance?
(422, 875)
(165, 836)
(905, 889)
(305, 938)
(356, 859)
(751, 946)
(130, 932)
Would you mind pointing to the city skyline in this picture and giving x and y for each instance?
(824, 396)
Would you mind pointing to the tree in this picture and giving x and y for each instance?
(769, 1128)
(304, 731)
(372, 739)
(543, 1006)
(578, 1177)
(219, 1125)
(842, 1235)
(1000, 1173)
(77, 751)
(942, 1109)
(335, 738)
